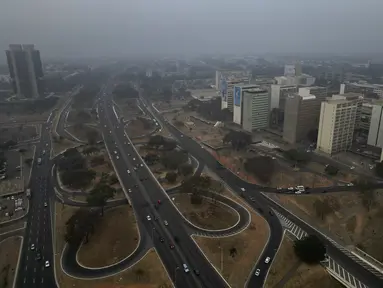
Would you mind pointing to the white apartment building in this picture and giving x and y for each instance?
(228, 97)
(255, 113)
(238, 101)
(336, 124)
(375, 133)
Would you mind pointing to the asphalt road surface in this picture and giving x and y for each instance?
(32, 270)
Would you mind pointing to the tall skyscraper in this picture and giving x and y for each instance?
(26, 70)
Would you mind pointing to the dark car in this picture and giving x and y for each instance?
(196, 272)
(161, 239)
(271, 213)
(171, 246)
(38, 256)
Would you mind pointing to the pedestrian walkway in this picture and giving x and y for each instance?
(331, 265)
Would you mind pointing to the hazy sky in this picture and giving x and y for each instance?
(123, 27)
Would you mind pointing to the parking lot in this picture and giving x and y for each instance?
(11, 173)
(13, 207)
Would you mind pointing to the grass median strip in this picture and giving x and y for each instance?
(147, 273)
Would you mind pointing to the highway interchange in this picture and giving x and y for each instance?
(145, 192)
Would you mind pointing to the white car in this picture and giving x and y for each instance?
(186, 269)
(182, 135)
(142, 165)
(243, 189)
(352, 167)
(128, 171)
(105, 126)
(148, 217)
(130, 190)
(115, 152)
(267, 260)
(257, 272)
(298, 192)
(166, 223)
(110, 131)
(47, 264)
(45, 204)
(32, 247)
(350, 184)
(134, 159)
(117, 157)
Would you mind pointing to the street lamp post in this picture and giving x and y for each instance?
(175, 276)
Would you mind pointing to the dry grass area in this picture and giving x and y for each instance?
(137, 128)
(81, 132)
(342, 175)
(283, 176)
(25, 118)
(60, 145)
(312, 277)
(19, 133)
(147, 273)
(9, 255)
(348, 221)
(248, 244)
(284, 260)
(105, 246)
(207, 215)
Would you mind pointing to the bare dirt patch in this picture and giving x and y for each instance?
(147, 273)
(347, 220)
(208, 215)
(59, 145)
(105, 246)
(9, 256)
(237, 263)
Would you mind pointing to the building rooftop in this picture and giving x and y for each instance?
(256, 91)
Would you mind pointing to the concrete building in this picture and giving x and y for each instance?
(26, 70)
(336, 124)
(375, 133)
(301, 116)
(231, 75)
(362, 87)
(238, 101)
(255, 111)
(365, 119)
(319, 92)
(279, 93)
(228, 96)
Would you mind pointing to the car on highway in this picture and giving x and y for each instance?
(182, 135)
(159, 201)
(115, 152)
(135, 168)
(257, 272)
(162, 240)
(130, 190)
(196, 272)
(128, 171)
(166, 223)
(171, 246)
(148, 217)
(38, 256)
(243, 189)
(117, 157)
(45, 204)
(267, 260)
(186, 269)
(33, 247)
(47, 264)
(142, 165)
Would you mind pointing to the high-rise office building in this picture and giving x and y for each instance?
(238, 101)
(336, 124)
(255, 113)
(301, 116)
(26, 70)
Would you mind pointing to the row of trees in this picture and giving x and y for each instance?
(158, 141)
(238, 139)
(261, 167)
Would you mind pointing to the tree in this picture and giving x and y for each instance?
(238, 139)
(97, 160)
(185, 169)
(92, 136)
(77, 179)
(156, 141)
(310, 249)
(90, 150)
(22, 150)
(331, 170)
(173, 159)
(322, 208)
(113, 179)
(261, 167)
(233, 252)
(151, 158)
(298, 156)
(171, 177)
(139, 273)
(169, 145)
(99, 196)
(79, 226)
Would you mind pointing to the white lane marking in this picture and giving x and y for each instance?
(34, 280)
(26, 268)
(25, 280)
(34, 270)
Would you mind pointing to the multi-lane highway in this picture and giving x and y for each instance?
(37, 248)
(252, 190)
